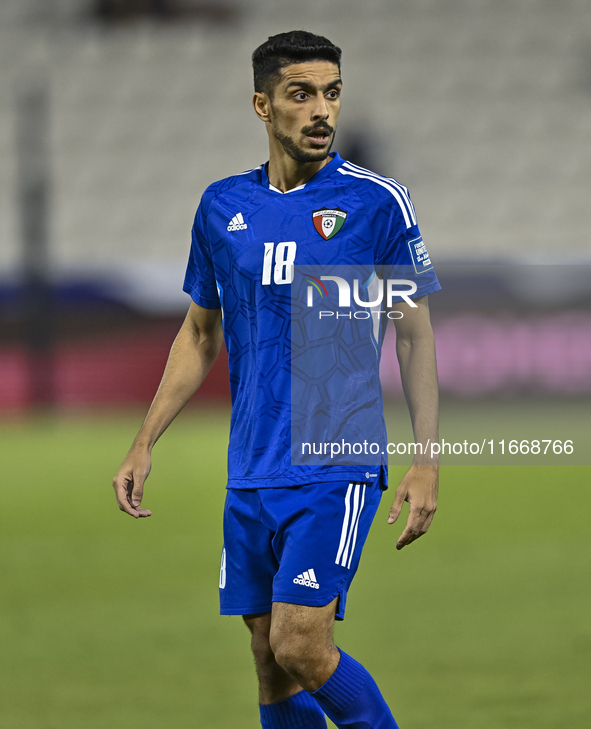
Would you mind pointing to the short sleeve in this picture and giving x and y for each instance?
(200, 282)
(400, 249)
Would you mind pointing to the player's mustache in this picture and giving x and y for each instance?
(318, 127)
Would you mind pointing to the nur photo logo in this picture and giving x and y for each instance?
(375, 291)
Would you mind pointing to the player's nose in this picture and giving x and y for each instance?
(320, 109)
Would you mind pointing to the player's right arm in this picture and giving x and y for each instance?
(191, 357)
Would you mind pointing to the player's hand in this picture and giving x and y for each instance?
(419, 487)
(129, 483)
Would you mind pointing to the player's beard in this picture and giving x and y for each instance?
(297, 153)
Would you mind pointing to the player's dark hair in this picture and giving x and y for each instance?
(296, 46)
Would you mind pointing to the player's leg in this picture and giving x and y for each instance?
(320, 530)
(301, 641)
(283, 703)
(275, 684)
(246, 588)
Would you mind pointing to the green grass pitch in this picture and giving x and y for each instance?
(109, 623)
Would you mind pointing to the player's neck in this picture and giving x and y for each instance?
(285, 173)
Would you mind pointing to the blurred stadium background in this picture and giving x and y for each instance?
(114, 117)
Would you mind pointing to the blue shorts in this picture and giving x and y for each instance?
(299, 544)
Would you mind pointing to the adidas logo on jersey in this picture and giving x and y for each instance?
(307, 579)
(237, 223)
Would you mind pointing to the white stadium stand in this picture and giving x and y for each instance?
(483, 109)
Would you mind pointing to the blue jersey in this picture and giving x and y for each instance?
(248, 239)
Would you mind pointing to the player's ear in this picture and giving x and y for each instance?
(262, 106)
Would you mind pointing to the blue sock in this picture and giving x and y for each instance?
(352, 699)
(300, 711)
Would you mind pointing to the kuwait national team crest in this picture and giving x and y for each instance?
(328, 222)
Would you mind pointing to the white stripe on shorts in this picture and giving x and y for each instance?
(345, 524)
(350, 524)
(356, 525)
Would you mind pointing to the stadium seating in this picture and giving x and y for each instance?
(483, 109)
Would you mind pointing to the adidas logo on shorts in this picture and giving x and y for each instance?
(237, 223)
(307, 579)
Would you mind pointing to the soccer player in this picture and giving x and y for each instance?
(293, 533)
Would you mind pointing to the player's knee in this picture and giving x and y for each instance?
(289, 656)
(261, 650)
(293, 652)
(259, 626)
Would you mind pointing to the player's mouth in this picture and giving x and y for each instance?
(319, 137)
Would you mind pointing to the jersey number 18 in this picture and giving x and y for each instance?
(284, 256)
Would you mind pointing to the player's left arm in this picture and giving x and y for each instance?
(415, 349)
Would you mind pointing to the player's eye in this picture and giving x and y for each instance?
(334, 94)
(301, 96)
